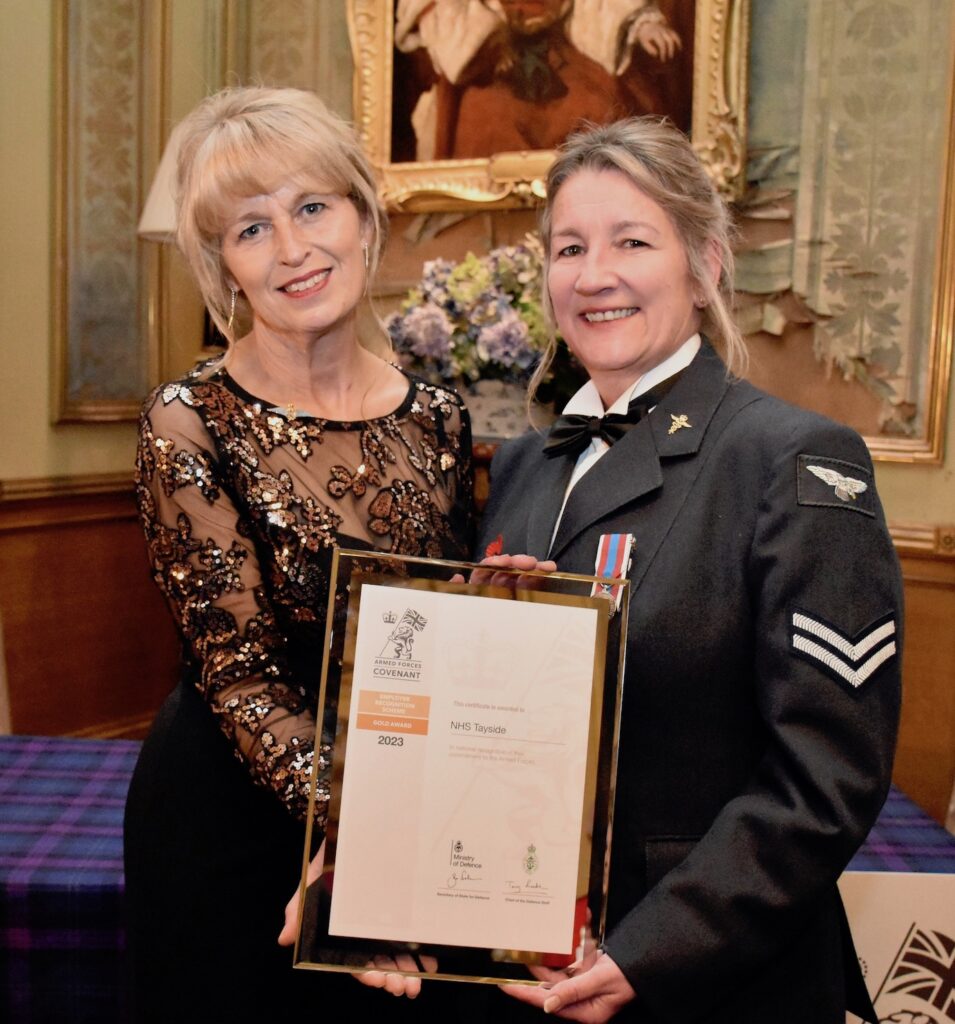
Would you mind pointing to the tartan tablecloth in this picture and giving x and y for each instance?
(61, 874)
(905, 838)
(61, 878)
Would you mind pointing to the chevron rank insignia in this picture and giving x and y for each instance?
(834, 483)
(848, 659)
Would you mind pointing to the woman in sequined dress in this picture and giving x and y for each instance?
(250, 471)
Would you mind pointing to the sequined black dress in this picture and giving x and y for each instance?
(242, 508)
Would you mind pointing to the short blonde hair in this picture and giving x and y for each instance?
(249, 141)
(660, 161)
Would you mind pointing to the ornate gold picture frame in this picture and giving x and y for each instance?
(714, 68)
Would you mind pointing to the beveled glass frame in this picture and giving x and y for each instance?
(350, 572)
(516, 179)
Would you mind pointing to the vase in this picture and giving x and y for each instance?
(498, 409)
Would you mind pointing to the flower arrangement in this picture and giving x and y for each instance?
(479, 319)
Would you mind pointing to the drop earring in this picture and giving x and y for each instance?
(232, 310)
(364, 250)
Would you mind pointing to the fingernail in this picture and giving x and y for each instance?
(551, 1004)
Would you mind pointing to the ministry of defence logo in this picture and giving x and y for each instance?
(531, 863)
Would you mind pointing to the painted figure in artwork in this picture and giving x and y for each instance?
(500, 75)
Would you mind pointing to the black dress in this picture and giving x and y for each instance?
(242, 507)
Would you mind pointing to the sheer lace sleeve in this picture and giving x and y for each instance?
(205, 561)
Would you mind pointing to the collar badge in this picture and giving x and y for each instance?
(679, 422)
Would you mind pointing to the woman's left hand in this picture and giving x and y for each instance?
(590, 991)
(294, 905)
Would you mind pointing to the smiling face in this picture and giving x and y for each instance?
(619, 280)
(297, 257)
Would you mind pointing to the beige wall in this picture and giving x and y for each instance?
(921, 494)
(31, 447)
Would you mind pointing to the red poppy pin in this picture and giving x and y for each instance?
(495, 547)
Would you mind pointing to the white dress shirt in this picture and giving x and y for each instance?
(587, 402)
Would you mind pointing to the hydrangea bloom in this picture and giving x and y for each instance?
(479, 318)
(425, 331)
(505, 341)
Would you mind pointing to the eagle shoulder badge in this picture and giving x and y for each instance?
(834, 483)
(846, 487)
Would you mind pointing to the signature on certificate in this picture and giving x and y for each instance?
(523, 886)
(462, 876)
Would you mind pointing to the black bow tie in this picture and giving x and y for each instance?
(570, 435)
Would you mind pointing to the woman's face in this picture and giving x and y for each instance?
(619, 279)
(297, 257)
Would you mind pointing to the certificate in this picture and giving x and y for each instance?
(466, 760)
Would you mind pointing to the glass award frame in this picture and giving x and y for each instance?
(473, 719)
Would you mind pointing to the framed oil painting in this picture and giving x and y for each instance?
(460, 105)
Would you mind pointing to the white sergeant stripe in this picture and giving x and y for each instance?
(852, 651)
(851, 675)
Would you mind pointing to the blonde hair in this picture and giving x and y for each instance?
(249, 141)
(660, 161)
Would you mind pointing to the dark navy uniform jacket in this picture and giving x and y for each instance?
(761, 696)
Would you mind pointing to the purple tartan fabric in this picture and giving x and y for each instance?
(61, 878)
(905, 838)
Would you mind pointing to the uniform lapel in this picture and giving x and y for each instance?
(630, 469)
(656, 457)
(547, 493)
